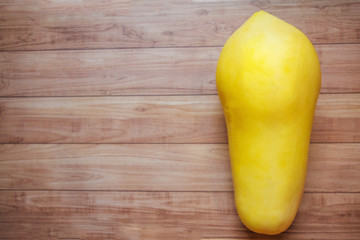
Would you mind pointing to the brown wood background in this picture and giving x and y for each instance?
(110, 126)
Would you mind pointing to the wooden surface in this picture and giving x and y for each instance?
(151, 119)
(147, 71)
(160, 167)
(110, 126)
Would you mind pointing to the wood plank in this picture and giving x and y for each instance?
(162, 71)
(340, 69)
(38, 25)
(333, 111)
(155, 119)
(159, 215)
(157, 167)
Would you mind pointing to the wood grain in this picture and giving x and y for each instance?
(159, 215)
(160, 71)
(155, 119)
(39, 25)
(157, 167)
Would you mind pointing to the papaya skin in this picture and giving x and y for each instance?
(268, 79)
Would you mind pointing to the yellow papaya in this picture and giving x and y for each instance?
(268, 79)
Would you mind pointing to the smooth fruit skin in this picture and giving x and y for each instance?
(268, 79)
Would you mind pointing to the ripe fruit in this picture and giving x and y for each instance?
(268, 79)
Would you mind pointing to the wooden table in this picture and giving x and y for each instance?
(110, 126)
